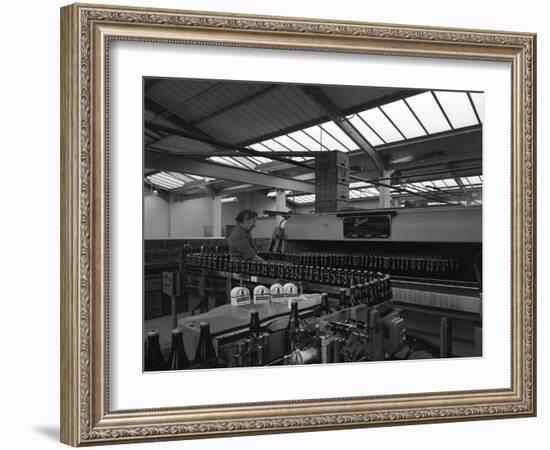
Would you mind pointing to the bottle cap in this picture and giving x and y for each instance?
(176, 331)
(152, 333)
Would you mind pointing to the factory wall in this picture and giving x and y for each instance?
(190, 217)
(156, 220)
(193, 217)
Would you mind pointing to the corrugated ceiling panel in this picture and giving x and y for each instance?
(226, 100)
(180, 95)
(180, 144)
(277, 110)
(348, 97)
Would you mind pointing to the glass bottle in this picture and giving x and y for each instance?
(352, 296)
(153, 356)
(292, 329)
(343, 300)
(254, 327)
(323, 308)
(178, 357)
(205, 353)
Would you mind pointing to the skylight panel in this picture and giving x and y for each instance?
(373, 191)
(181, 177)
(450, 182)
(367, 133)
(338, 134)
(475, 180)
(254, 160)
(376, 119)
(479, 103)
(318, 136)
(290, 144)
(426, 109)
(305, 140)
(471, 181)
(404, 119)
(245, 162)
(187, 177)
(365, 193)
(458, 108)
(259, 159)
(260, 147)
(165, 181)
(325, 138)
(274, 146)
(222, 160)
(303, 199)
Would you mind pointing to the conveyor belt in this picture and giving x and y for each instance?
(452, 295)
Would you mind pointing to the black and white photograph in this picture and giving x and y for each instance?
(293, 224)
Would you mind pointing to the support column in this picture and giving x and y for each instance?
(385, 200)
(216, 216)
(280, 200)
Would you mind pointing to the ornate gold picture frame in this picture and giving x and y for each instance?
(87, 31)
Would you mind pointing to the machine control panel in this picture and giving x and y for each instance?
(367, 226)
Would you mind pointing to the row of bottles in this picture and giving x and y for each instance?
(387, 261)
(368, 294)
(205, 354)
(315, 274)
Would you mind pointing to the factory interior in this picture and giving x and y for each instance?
(366, 212)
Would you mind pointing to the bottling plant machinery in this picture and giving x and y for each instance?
(398, 283)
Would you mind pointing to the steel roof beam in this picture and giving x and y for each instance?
(177, 163)
(222, 145)
(345, 125)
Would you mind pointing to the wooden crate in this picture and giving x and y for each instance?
(332, 159)
(331, 206)
(332, 192)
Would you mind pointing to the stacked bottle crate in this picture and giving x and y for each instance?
(331, 182)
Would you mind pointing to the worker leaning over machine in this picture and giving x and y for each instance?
(240, 242)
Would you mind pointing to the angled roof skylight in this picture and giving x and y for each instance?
(338, 134)
(380, 123)
(325, 138)
(458, 108)
(404, 119)
(428, 112)
(306, 141)
(371, 137)
(291, 144)
(165, 181)
(479, 104)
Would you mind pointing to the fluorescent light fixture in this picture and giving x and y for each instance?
(228, 200)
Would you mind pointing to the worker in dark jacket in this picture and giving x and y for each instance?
(240, 242)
